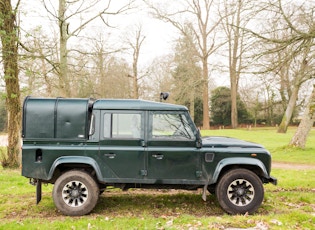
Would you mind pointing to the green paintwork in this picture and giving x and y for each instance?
(56, 137)
(55, 118)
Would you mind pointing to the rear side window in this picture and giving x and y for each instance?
(123, 125)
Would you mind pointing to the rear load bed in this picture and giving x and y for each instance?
(56, 118)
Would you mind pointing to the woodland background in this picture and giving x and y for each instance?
(232, 63)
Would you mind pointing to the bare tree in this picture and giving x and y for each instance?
(36, 53)
(300, 76)
(9, 41)
(76, 10)
(198, 14)
(135, 46)
(187, 73)
(298, 20)
(300, 137)
(283, 73)
(107, 72)
(160, 78)
(235, 15)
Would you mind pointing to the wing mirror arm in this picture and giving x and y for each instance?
(198, 139)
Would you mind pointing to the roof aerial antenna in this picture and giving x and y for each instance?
(164, 96)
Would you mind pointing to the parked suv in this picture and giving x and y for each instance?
(82, 146)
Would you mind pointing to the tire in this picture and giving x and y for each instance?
(75, 193)
(240, 191)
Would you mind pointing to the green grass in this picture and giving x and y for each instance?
(2, 152)
(276, 143)
(289, 205)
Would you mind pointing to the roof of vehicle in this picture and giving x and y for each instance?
(132, 104)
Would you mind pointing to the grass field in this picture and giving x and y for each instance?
(290, 205)
(275, 142)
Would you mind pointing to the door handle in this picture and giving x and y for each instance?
(110, 155)
(158, 156)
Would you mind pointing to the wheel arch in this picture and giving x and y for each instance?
(66, 163)
(228, 164)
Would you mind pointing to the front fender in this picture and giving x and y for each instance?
(75, 160)
(238, 161)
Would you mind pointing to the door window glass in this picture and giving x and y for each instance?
(171, 126)
(122, 125)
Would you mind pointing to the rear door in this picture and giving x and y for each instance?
(122, 146)
(172, 154)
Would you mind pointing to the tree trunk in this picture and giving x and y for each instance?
(135, 73)
(192, 105)
(205, 98)
(300, 137)
(235, 55)
(283, 127)
(136, 46)
(136, 52)
(135, 88)
(234, 117)
(9, 41)
(64, 85)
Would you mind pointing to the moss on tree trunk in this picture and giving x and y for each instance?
(9, 40)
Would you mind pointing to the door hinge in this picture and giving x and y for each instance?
(198, 174)
(143, 143)
(143, 172)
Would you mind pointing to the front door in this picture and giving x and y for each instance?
(122, 146)
(172, 153)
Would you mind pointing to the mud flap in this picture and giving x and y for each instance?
(204, 195)
(38, 191)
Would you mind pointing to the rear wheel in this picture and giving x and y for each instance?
(75, 193)
(240, 191)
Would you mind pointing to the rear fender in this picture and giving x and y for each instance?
(75, 160)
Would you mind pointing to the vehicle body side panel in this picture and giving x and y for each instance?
(39, 167)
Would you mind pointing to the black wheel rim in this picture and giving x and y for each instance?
(75, 193)
(241, 192)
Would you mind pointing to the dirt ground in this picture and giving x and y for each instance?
(279, 165)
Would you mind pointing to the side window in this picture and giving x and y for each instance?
(171, 126)
(123, 125)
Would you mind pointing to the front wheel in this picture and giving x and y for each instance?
(75, 193)
(240, 191)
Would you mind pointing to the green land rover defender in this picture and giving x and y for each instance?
(83, 146)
